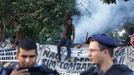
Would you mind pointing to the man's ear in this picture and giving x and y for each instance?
(106, 51)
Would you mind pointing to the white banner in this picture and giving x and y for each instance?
(79, 60)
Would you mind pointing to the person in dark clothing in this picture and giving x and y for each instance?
(68, 38)
(100, 54)
(26, 65)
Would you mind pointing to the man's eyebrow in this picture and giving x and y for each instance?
(28, 55)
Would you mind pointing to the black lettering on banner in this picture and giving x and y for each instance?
(86, 60)
(52, 63)
(49, 63)
(14, 53)
(78, 66)
(82, 59)
(49, 54)
(3, 58)
(76, 59)
(8, 58)
(15, 57)
(84, 66)
(7, 53)
(72, 66)
(66, 65)
(79, 53)
(3, 54)
(44, 61)
(52, 55)
(12, 58)
(10, 53)
(47, 47)
(61, 64)
(46, 53)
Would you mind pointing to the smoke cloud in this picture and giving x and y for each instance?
(98, 17)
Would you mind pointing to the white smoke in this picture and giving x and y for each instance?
(97, 17)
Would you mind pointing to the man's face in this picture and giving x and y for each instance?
(26, 58)
(132, 40)
(95, 55)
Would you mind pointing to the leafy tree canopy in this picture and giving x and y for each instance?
(36, 19)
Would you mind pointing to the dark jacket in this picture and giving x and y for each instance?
(44, 70)
(116, 69)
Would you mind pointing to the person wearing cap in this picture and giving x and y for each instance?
(100, 54)
(26, 56)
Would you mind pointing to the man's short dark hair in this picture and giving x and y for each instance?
(27, 44)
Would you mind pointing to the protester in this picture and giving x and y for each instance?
(26, 56)
(100, 54)
(68, 38)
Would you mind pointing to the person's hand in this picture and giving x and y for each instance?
(20, 72)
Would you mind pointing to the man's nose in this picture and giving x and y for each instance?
(28, 59)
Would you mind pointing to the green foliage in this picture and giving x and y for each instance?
(39, 19)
